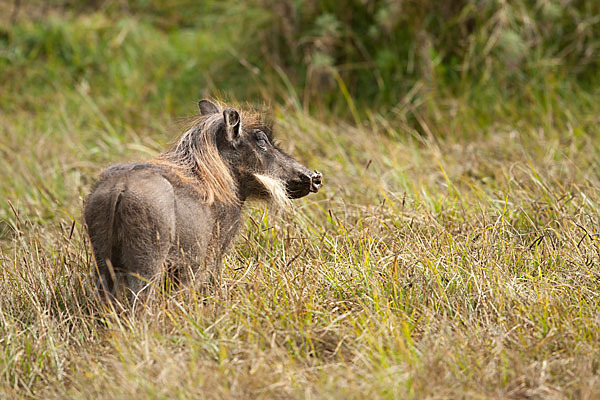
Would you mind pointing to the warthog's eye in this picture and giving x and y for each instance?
(261, 140)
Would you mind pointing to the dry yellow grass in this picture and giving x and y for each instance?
(425, 269)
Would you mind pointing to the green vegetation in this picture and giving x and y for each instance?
(453, 252)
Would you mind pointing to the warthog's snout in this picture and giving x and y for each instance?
(316, 179)
(305, 182)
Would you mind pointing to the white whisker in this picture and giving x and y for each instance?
(276, 189)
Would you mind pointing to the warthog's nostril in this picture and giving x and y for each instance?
(316, 181)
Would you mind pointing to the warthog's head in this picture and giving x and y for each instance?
(261, 169)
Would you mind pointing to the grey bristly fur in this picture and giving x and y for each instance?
(177, 214)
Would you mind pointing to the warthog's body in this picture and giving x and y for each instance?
(179, 212)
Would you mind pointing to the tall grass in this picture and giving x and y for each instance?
(453, 252)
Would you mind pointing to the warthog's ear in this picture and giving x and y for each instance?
(207, 107)
(233, 124)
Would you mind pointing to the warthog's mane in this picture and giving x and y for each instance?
(195, 159)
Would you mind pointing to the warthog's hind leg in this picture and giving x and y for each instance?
(146, 226)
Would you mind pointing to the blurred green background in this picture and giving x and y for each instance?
(401, 58)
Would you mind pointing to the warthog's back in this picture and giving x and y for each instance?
(142, 219)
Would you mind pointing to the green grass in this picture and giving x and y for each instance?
(452, 253)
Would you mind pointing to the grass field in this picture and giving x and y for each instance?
(453, 251)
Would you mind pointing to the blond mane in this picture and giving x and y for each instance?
(195, 159)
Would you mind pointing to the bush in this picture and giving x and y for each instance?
(380, 48)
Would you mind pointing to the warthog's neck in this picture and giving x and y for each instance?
(227, 221)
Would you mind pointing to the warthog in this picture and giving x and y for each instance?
(178, 213)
